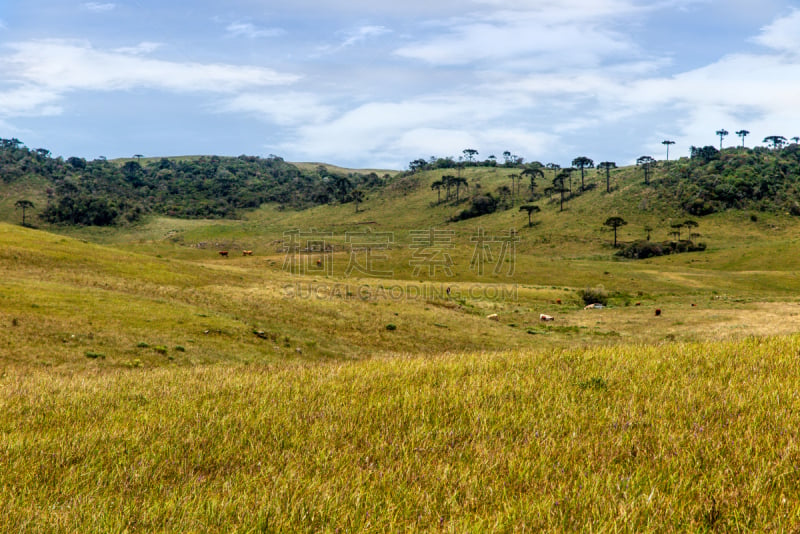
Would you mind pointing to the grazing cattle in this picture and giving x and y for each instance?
(319, 263)
(545, 317)
(493, 317)
(638, 304)
(594, 306)
(223, 253)
(658, 312)
(247, 253)
(558, 301)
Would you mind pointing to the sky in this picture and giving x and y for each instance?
(376, 84)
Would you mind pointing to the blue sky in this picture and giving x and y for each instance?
(377, 84)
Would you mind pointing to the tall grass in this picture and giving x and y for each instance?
(658, 438)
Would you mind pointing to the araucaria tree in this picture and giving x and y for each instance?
(667, 142)
(742, 134)
(533, 173)
(582, 163)
(515, 179)
(646, 163)
(614, 223)
(777, 141)
(530, 208)
(470, 153)
(559, 186)
(685, 224)
(23, 205)
(607, 166)
(553, 167)
(448, 181)
(458, 182)
(438, 185)
(721, 133)
(690, 224)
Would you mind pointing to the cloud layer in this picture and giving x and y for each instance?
(545, 79)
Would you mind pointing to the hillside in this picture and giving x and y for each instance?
(330, 380)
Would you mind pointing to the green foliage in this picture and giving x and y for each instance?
(640, 250)
(738, 178)
(481, 205)
(101, 193)
(594, 295)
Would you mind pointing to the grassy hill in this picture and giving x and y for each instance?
(148, 383)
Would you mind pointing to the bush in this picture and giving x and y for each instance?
(594, 295)
(391, 327)
(481, 205)
(641, 250)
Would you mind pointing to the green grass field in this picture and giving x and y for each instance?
(148, 384)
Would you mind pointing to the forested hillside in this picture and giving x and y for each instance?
(101, 192)
(711, 180)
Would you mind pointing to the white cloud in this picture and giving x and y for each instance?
(352, 38)
(98, 7)
(29, 100)
(39, 74)
(783, 34)
(66, 65)
(145, 47)
(429, 125)
(548, 34)
(250, 31)
(286, 109)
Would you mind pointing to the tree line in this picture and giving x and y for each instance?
(101, 192)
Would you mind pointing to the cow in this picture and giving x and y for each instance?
(545, 317)
(247, 253)
(493, 317)
(658, 312)
(223, 253)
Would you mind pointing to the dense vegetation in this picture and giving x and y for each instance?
(761, 178)
(102, 192)
(735, 178)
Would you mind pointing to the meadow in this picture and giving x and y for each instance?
(149, 384)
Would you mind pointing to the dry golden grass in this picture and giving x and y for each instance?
(660, 438)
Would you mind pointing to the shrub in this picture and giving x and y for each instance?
(391, 327)
(95, 355)
(640, 250)
(594, 295)
(481, 205)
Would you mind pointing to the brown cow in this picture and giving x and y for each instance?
(223, 253)
(247, 253)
